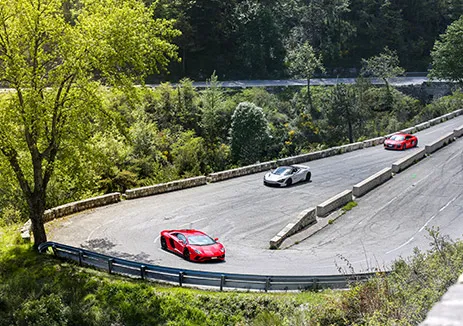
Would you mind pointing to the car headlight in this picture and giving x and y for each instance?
(222, 249)
(282, 180)
(197, 251)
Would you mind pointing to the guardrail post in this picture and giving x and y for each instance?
(222, 282)
(315, 284)
(180, 278)
(267, 284)
(143, 271)
(80, 257)
(110, 265)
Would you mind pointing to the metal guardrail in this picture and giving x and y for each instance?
(211, 279)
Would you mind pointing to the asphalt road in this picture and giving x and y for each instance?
(397, 81)
(245, 215)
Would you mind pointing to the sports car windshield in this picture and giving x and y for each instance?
(200, 240)
(282, 171)
(397, 137)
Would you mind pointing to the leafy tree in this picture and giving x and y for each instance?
(215, 119)
(188, 154)
(54, 54)
(384, 66)
(342, 112)
(303, 62)
(187, 109)
(248, 133)
(447, 54)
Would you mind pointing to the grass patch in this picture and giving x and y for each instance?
(349, 206)
(42, 290)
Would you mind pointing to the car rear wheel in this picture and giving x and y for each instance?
(307, 177)
(289, 182)
(186, 254)
(163, 243)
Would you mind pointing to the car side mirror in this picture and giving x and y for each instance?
(216, 239)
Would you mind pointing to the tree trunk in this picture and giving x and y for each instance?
(351, 136)
(309, 97)
(36, 210)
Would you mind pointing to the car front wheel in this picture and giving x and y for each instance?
(163, 243)
(289, 182)
(307, 177)
(186, 254)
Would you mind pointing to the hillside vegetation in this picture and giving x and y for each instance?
(42, 290)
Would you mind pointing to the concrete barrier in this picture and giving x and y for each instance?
(375, 180)
(458, 132)
(78, 206)
(449, 309)
(304, 219)
(165, 187)
(334, 203)
(423, 126)
(441, 142)
(350, 147)
(373, 142)
(410, 130)
(405, 162)
(435, 121)
(238, 172)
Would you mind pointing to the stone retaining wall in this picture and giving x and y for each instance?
(81, 205)
(245, 170)
(165, 187)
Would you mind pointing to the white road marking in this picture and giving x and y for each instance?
(93, 231)
(192, 222)
(424, 226)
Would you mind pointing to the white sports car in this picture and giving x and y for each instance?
(287, 175)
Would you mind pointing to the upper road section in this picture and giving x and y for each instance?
(398, 81)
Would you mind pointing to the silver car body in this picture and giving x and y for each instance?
(286, 175)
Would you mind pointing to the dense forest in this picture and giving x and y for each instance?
(76, 127)
(250, 39)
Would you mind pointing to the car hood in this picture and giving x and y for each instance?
(393, 142)
(275, 177)
(212, 250)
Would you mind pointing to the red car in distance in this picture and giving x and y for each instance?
(401, 141)
(193, 245)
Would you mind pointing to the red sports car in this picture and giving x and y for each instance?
(401, 141)
(193, 245)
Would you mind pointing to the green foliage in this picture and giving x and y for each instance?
(343, 113)
(188, 154)
(215, 115)
(56, 56)
(349, 206)
(248, 133)
(416, 283)
(303, 62)
(447, 54)
(384, 66)
(38, 289)
(47, 310)
(440, 107)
